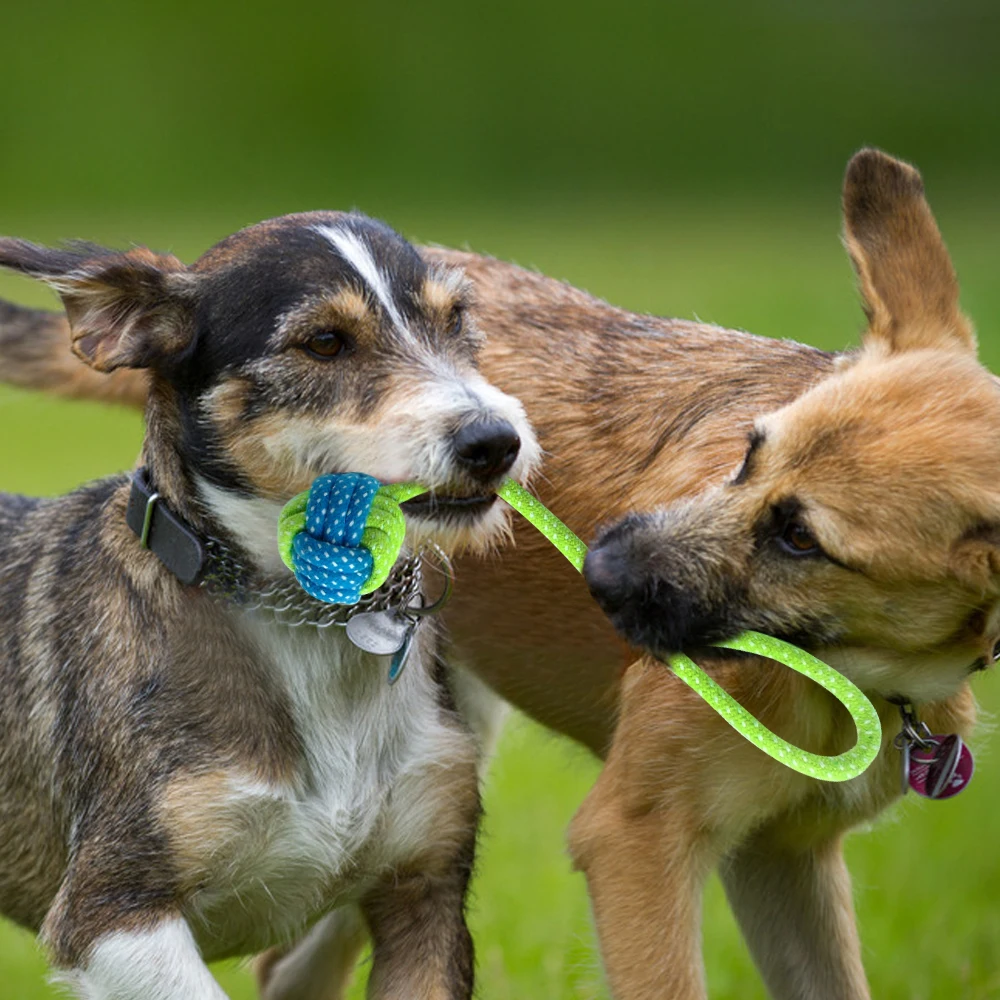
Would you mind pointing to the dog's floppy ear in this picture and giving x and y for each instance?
(131, 309)
(907, 280)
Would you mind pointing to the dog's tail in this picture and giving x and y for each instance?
(35, 354)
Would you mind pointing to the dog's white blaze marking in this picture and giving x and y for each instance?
(158, 964)
(358, 254)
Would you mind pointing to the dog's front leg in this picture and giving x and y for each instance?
(795, 909)
(645, 876)
(422, 947)
(644, 847)
(158, 961)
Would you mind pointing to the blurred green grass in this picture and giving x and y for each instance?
(927, 877)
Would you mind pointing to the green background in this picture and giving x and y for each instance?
(681, 158)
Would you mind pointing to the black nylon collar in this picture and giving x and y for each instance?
(161, 531)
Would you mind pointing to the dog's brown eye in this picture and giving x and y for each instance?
(456, 321)
(326, 345)
(798, 539)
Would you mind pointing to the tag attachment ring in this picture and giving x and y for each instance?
(424, 611)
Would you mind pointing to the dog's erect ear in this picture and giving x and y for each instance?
(975, 559)
(907, 280)
(131, 309)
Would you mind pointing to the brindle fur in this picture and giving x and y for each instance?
(637, 413)
(155, 755)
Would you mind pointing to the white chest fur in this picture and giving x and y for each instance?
(375, 769)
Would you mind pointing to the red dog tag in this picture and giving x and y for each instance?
(942, 769)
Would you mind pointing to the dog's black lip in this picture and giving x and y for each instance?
(436, 504)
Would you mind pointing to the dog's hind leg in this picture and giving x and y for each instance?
(317, 967)
(795, 909)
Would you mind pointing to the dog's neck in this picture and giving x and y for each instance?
(171, 473)
(246, 524)
(922, 679)
(250, 522)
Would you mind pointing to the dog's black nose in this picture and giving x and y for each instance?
(606, 572)
(486, 448)
(648, 609)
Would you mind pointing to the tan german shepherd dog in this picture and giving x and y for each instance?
(850, 502)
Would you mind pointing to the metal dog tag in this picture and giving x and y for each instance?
(941, 769)
(934, 766)
(380, 632)
(402, 654)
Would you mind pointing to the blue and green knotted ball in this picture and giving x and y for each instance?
(342, 536)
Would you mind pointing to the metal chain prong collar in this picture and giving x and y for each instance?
(228, 579)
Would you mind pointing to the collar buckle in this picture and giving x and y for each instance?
(162, 532)
(147, 519)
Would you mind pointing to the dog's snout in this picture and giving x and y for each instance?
(655, 596)
(486, 448)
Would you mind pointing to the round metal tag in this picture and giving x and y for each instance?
(942, 769)
(380, 632)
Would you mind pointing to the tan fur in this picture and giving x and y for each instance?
(893, 450)
(911, 294)
(348, 310)
(106, 333)
(633, 412)
(199, 819)
(445, 291)
(681, 793)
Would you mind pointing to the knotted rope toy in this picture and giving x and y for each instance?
(343, 536)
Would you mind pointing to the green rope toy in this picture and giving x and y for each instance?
(383, 534)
